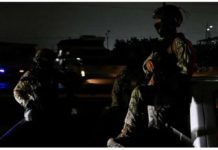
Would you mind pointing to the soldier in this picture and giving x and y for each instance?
(37, 93)
(37, 89)
(110, 120)
(164, 102)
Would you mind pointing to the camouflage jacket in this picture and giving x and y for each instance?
(37, 87)
(176, 57)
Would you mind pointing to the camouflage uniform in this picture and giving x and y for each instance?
(167, 101)
(46, 117)
(126, 81)
(37, 90)
(111, 120)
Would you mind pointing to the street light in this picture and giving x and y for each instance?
(209, 28)
(208, 31)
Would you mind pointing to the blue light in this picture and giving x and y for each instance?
(2, 70)
(4, 85)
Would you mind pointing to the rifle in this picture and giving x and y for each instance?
(182, 137)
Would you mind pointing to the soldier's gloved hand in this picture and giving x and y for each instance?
(112, 143)
(32, 111)
(149, 65)
(151, 81)
(32, 115)
(28, 115)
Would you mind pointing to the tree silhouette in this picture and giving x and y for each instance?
(207, 54)
(133, 50)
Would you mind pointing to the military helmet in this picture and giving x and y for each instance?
(170, 14)
(44, 56)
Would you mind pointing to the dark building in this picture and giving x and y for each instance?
(89, 48)
(207, 52)
(213, 40)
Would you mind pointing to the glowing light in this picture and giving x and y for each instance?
(60, 52)
(83, 73)
(67, 53)
(100, 81)
(209, 28)
(2, 70)
(4, 85)
(57, 59)
(21, 71)
(78, 58)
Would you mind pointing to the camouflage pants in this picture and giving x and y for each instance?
(143, 111)
(152, 109)
(146, 111)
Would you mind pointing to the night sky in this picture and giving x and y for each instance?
(46, 24)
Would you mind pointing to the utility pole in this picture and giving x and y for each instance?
(107, 38)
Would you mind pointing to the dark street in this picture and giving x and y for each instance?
(80, 128)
